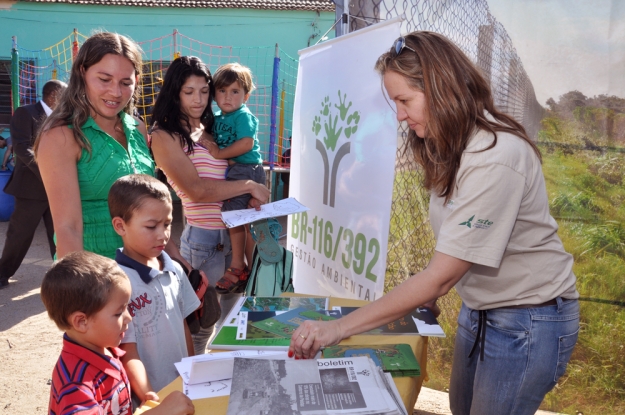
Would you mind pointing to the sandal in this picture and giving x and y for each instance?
(227, 286)
(265, 233)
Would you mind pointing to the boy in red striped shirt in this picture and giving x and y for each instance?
(87, 295)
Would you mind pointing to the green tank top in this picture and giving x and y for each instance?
(97, 172)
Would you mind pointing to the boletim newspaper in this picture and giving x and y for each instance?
(352, 385)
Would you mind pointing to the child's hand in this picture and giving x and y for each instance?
(209, 144)
(205, 141)
(176, 403)
(151, 396)
(213, 148)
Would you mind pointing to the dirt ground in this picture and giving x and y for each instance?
(30, 343)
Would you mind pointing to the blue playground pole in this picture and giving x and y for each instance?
(274, 108)
(15, 75)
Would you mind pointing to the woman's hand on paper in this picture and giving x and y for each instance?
(311, 336)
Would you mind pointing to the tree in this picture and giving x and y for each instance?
(552, 104)
(571, 100)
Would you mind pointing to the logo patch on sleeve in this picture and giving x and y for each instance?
(483, 224)
(479, 224)
(467, 223)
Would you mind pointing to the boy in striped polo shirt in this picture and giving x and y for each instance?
(87, 296)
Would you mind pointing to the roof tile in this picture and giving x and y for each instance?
(315, 5)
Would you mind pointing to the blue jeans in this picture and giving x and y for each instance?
(526, 352)
(208, 251)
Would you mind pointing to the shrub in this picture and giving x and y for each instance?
(608, 238)
(610, 168)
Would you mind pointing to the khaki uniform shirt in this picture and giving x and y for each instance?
(498, 219)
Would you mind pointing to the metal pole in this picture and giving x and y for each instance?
(345, 23)
(338, 16)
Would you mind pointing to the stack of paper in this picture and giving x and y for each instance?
(351, 386)
(210, 375)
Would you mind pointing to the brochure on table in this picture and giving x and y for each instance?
(246, 329)
(281, 324)
(284, 324)
(397, 359)
(227, 338)
(420, 322)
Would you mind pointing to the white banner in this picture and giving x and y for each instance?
(342, 166)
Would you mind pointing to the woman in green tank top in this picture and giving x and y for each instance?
(91, 140)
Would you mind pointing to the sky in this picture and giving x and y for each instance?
(567, 45)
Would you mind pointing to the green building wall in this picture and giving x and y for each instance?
(40, 25)
(252, 33)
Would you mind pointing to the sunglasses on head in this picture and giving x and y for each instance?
(400, 45)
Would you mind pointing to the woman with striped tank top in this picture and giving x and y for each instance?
(182, 120)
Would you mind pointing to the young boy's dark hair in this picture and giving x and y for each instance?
(227, 74)
(81, 281)
(129, 192)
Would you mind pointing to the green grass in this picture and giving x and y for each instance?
(587, 198)
(594, 234)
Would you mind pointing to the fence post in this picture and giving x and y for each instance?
(281, 124)
(15, 75)
(75, 45)
(176, 53)
(274, 107)
(341, 13)
(345, 21)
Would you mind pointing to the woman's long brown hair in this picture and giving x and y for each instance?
(456, 95)
(74, 108)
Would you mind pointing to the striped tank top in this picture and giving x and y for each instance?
(200, 214)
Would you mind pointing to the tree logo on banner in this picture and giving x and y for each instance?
(334, 125)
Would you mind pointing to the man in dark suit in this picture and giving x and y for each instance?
(31, 202)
